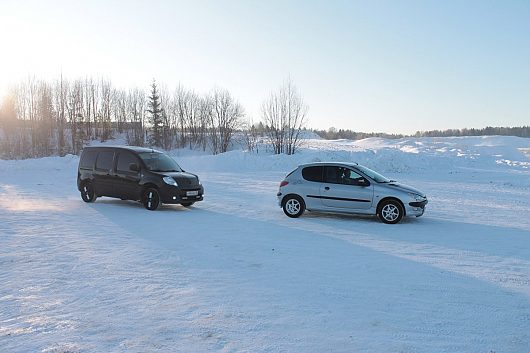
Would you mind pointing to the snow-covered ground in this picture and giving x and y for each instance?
(234, 274)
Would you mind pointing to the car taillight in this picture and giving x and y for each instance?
(283, 183)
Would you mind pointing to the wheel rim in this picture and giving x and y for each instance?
(151, 200)
(87, 192)
(292, 206)
(390, 212)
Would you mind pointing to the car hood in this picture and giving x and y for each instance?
(403, 187)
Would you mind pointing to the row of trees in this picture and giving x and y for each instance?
(523, 131)
(334, 134)
(40, 118)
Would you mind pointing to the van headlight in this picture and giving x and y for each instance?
(170, 181)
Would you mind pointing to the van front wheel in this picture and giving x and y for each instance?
(151, 199)
(87, 192)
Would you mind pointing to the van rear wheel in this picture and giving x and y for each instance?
(151, 199)
(87, 192)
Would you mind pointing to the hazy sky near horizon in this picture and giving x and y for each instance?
(391, 66)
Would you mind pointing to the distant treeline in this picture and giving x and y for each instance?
(523, 131)
(334, 134)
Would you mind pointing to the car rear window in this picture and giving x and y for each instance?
(313, 173)
(88, 159)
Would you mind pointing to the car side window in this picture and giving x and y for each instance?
(124, 160)
(104, 161)
(313, 173)
(352, 178)
(343, 175)
(332, 175)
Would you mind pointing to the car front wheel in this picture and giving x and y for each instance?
(390, 212)
(151, 199)
(293, 206)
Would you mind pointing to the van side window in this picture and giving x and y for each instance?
(104, 161)
(124, 160)
(88, 159)
(313, 173)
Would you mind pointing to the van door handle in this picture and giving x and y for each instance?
(326, 188)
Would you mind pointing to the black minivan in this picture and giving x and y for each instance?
(136, 173)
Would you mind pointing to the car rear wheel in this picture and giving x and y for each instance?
(390, 212)
(87, 192)
(293, 206)
(151, 199)
(187, 204)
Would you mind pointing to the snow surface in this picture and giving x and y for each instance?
(234, 274)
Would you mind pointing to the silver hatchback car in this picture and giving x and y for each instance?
(348, 188)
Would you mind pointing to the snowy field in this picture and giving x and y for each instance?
(234, 274)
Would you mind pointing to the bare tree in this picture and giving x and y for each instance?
(9, 127)
(284, 115)
(224, 117)
(251, 136)
(135, 106)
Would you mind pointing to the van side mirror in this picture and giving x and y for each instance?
(134, 167)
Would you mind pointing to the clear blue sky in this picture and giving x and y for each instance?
(392, 66)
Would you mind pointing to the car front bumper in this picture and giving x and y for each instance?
(416, 208)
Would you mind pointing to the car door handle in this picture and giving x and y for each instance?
(326, 188)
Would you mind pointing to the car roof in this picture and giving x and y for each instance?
(136, 149)
(322, 164)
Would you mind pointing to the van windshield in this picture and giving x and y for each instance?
(159, 162)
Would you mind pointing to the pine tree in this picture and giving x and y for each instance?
(155, 117)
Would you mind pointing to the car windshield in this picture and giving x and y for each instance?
(159, 162)
(373, 175)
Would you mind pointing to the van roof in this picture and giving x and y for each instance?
(136, 149)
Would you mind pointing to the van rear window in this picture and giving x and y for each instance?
(88, 159)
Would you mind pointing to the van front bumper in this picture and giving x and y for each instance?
(171, 194)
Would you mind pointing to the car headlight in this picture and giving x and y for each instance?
(416, 197)
(170, 181)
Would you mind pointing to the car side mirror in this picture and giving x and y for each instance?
(134, 167)
(363, 182)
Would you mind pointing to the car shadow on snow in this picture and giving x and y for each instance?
(366, 219)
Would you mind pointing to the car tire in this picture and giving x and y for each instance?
(187, 204)
(390, 212)
(151, 199)
(88, 194)
(293, 206)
